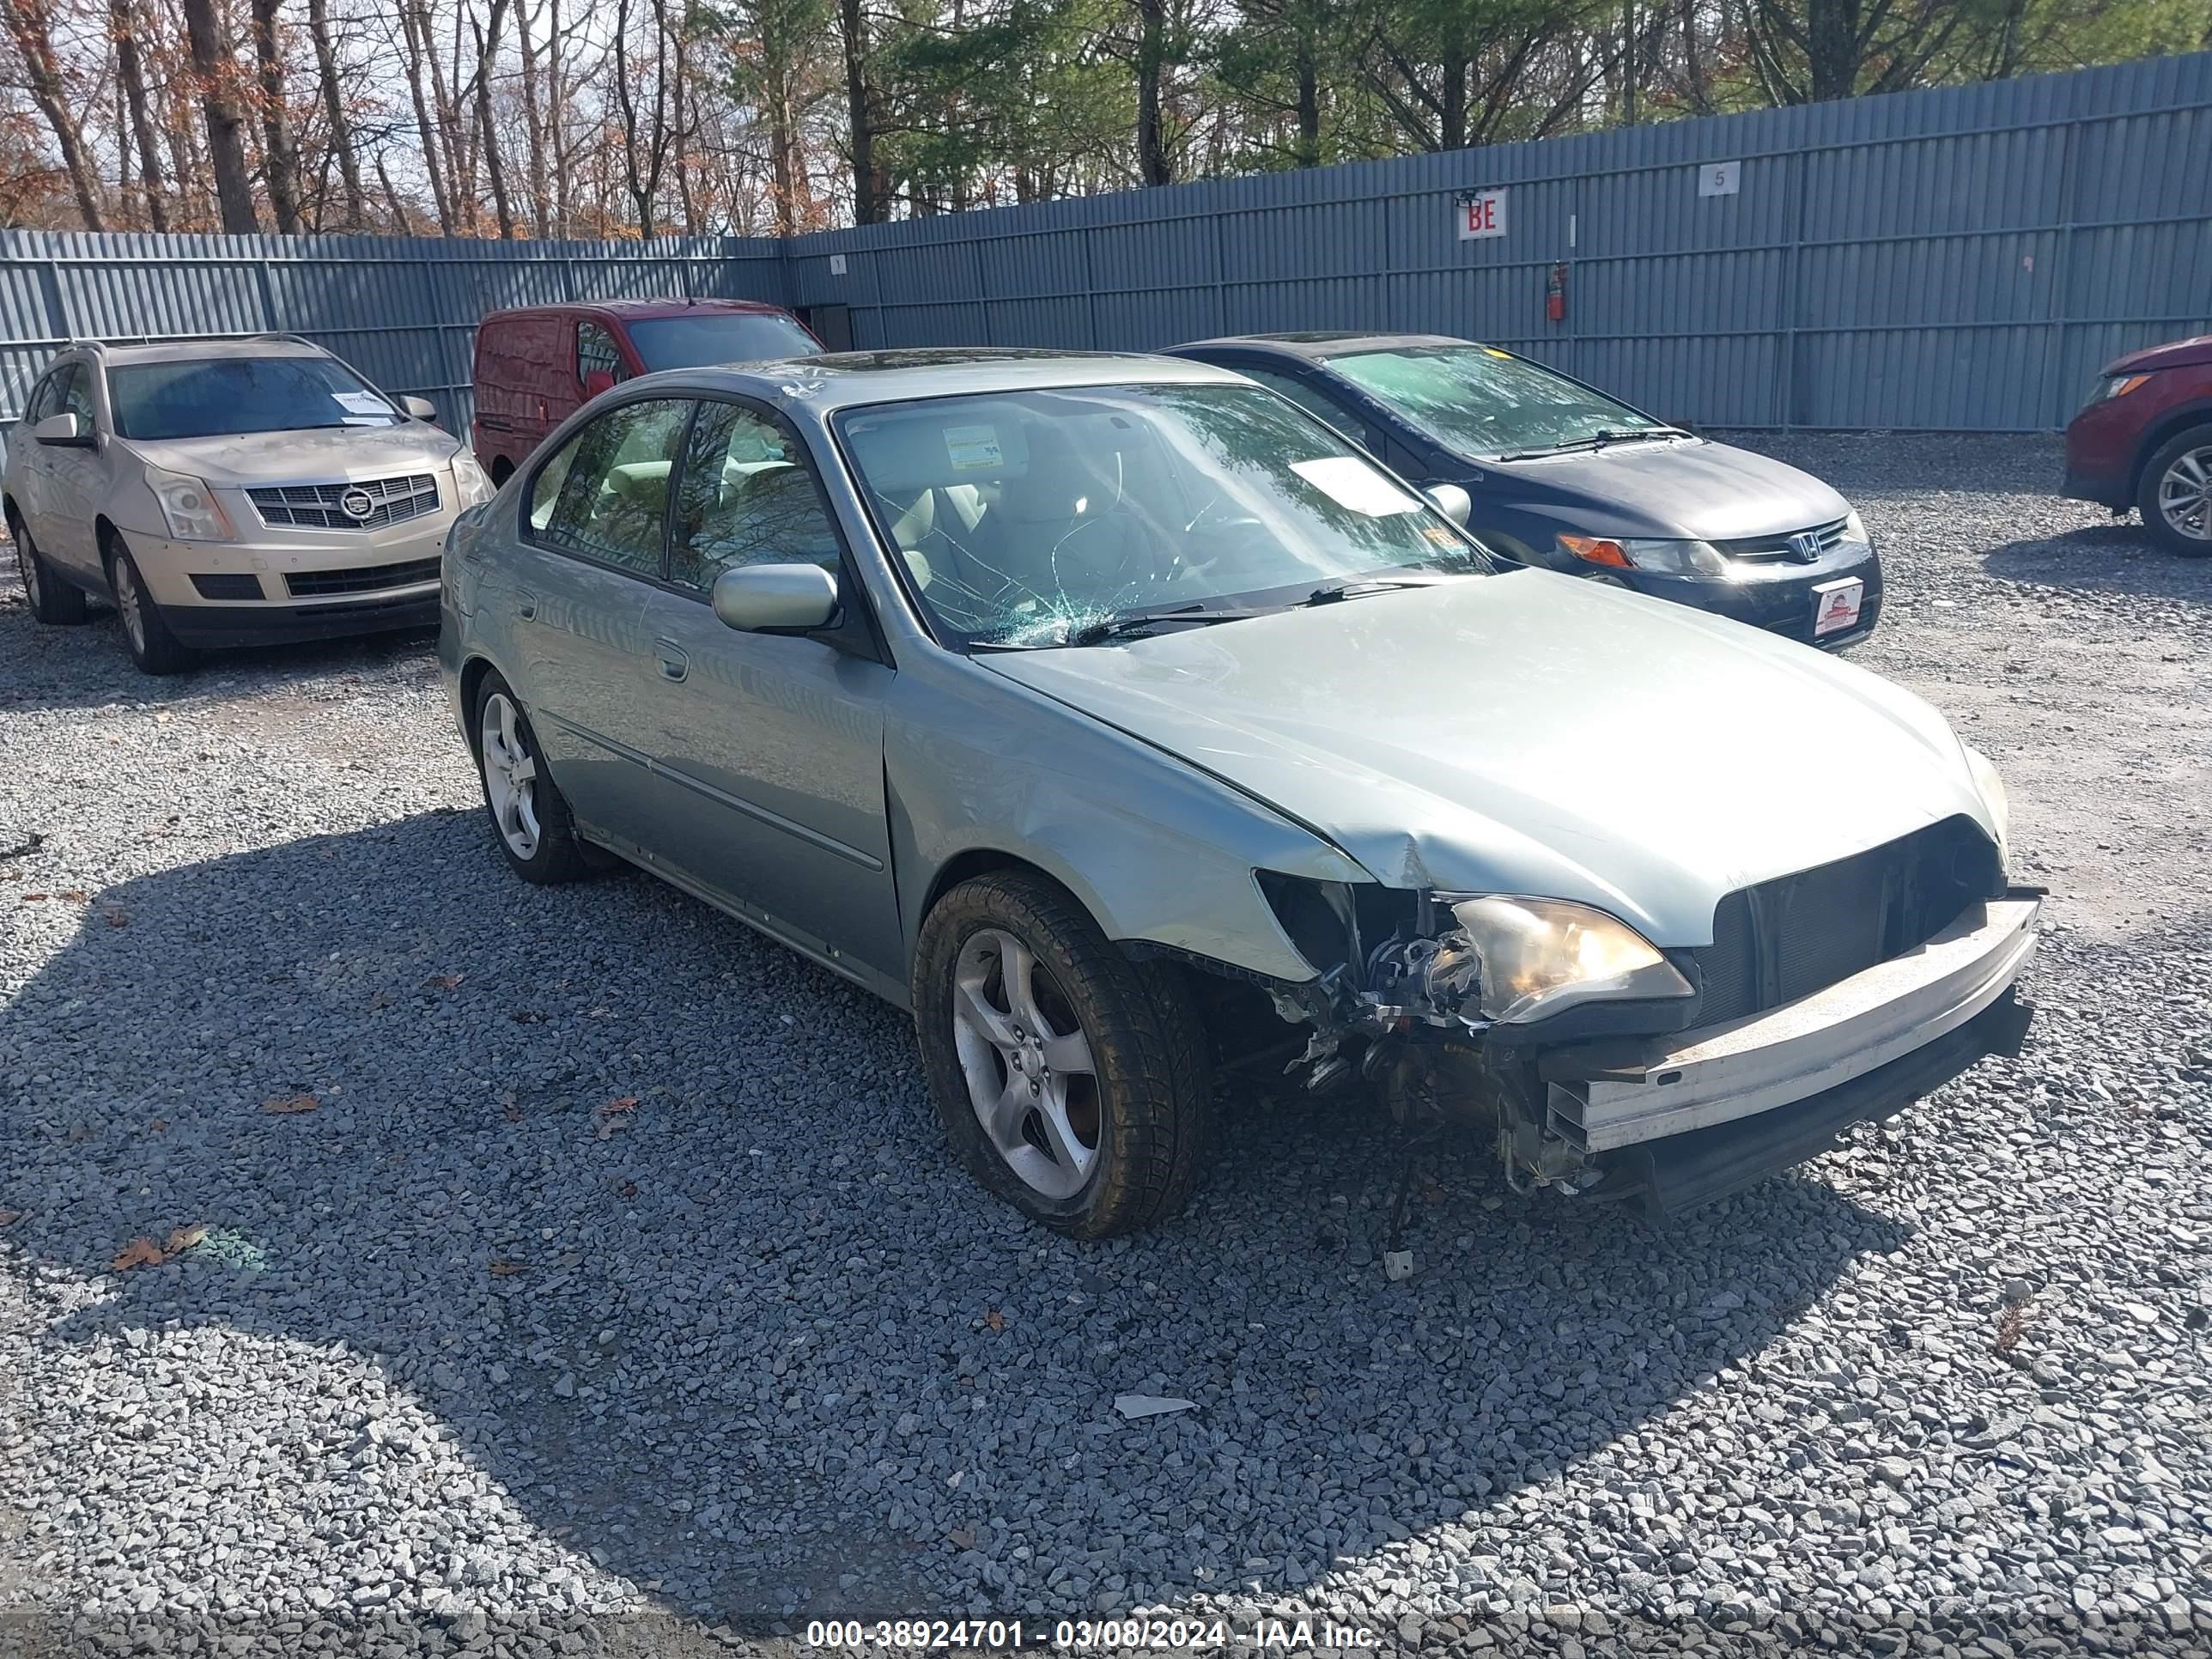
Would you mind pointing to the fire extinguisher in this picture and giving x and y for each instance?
(1555, 295)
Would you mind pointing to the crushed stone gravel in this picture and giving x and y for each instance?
(463, 1364)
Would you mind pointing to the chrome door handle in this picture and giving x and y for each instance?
(675, 662)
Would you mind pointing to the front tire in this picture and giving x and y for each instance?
(52, 601)
(530, 817)
(1071, 1080)
(2175, 496)
(145, 632)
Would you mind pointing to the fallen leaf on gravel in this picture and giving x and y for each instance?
(509, 1110)
(138, 1252)
(160, 1126)
(184, 1238)
(628, 1189)
(119, 918)
(1151, 1404)
(10, 1217)
(33, 898)
(163, 718)
(287, 1103)
(962, 1538)
(524, 1017)
(508, 1269)
(77, 898)
(444, 981)
(994, 1319)
(621, 1103)
(379, 1000)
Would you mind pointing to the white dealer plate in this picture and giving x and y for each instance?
(1836, 606)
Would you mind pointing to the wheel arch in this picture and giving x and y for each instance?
(2168, 427)
(474, 671)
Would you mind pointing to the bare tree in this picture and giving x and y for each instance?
(487, 56)
(214, 70)
(334, 114)
(413, 27)
(29, 27)
(280, 156)
(533, 127)
(130, 73)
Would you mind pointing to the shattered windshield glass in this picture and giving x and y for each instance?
(1049, 517)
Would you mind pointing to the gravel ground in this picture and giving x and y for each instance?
(462, 1361)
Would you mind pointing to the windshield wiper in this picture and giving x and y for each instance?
(1121, 625)
(1354, 587)
(1598, 440)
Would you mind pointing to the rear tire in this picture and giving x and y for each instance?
(1071, 1080)
(52, 601)
(145, 632)
(530, 817)
(2175, 494)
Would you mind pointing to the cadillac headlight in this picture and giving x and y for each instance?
(471, 485)
(1540, 956)
(1992, 790)
(190, 508)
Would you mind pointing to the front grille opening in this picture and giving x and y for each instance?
(1787, 938)
(369, 504)
(1825, 537)
(366, 579)
(227, 585)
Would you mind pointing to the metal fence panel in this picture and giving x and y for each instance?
(1965, 257)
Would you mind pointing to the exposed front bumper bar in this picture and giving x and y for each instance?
(1701, 1079)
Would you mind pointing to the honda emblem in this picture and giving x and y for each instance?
(1805, 547)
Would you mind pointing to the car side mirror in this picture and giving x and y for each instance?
(421, 409)
(1451, 500)
(63, 432)
(599, 380)
(776, 599)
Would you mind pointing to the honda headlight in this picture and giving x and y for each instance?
(190, 507)
(471, 485)
(1663, 558)
(1540, 956)
(1991, 789)
(1855, 528)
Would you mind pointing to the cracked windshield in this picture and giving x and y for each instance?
(1481, 401)
(1033, 519)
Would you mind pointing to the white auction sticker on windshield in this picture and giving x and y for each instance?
(1350, 482)
(973, 447)
(361, 403)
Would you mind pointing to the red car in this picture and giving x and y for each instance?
(537, 365)
(2144, 439)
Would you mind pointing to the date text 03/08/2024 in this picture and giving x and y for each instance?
(1089, 1635)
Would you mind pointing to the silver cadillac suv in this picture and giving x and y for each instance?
(227, 493)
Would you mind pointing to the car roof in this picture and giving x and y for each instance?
(643, 309)
(187, 351)
(1315, 344)
(845, 379)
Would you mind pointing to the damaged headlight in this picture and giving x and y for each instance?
(1539, 955)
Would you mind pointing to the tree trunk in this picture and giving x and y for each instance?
(397, 207)
(1832, 40)
(533, 126)
(1309, 148)
(418, 49)
(334, 112)
(131, 69)
(1452, 125)
(26, 22)
(212, 68)
(868, 205)
(1153, 166)
(486, 57)
(280, 157)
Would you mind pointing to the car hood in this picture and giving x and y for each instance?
(1697, 489)
(322, 455)
(1531, 733)
(2174, 354)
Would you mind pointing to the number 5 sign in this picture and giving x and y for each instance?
(1481, 213)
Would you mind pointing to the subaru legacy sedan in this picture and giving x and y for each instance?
(1562, 475)
(1133, 730)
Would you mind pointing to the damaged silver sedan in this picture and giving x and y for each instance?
(1129, 727)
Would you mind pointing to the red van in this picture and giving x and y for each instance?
(536, 366)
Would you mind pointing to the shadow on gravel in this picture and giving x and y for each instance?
(2106, 558)
(751, 1339)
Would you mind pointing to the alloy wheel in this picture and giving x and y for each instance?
(1027, 1061)
(510, 773)
(27, 562)
(130, 605)
(2185, 494)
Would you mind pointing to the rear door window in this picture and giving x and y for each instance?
(604, 494)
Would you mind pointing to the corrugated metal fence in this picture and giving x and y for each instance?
(1963, 259)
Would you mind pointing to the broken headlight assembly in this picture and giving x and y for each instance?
(1532, 958)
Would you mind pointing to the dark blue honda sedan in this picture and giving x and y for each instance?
(1561, 475)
